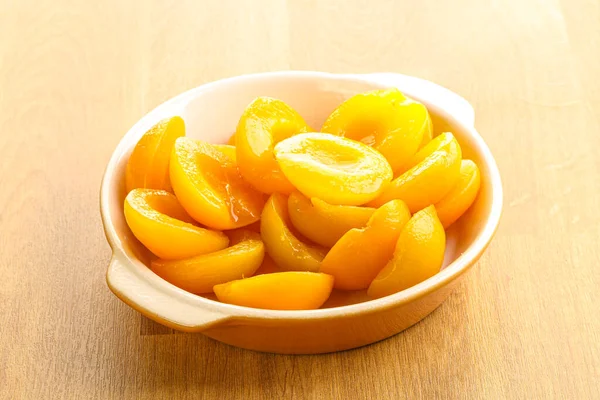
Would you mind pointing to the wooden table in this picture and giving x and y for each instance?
(74, 76)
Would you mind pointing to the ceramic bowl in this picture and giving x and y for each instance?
(349, 320)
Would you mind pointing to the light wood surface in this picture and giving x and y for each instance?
(74, 76)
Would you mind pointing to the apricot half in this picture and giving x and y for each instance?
(439, 143)
(148, 165)
(226, 149)
(264, 123)
(418, 255)
(384, 119)
(427, 182)
(199, 274)
(324, 223)
(210, 188)
(158, 221)
(278, 291)
(460, 198)
(332, 168)
(360, 254)
(284, 247)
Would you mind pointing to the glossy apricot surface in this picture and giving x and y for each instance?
(288, 251)
(360, 254)
(332, 168)
(441, 142)
(427, 182)
(148, 164)
(226, 149)
(158, 221)
(199, 274)
(264, 123)
(385, 119)
(418, 255)
(324, 223)
(209, 186)
(462, 195)
(278, 291)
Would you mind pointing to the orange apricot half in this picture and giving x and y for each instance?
(460, 198)
(148, 165)
(385, 119)
(332, 168)
(200, 274)
(226, 149)
(158, 221)
(439, 143)
(427, 182)
(418, 255)
(209, 186)
(324, 223)
(360, 254)
(278, 291)
(264, 123)
(285, 248)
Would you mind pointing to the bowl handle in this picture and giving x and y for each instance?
(456, 105)
(179, 312)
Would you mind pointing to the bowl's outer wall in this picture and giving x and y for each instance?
(212, 116)
(333, 334)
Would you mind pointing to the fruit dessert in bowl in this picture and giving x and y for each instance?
(299, 212)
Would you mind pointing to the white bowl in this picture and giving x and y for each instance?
(211, 113)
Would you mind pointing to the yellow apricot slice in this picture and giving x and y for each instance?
(158, 221)
(148, 165)
(332, 168)
(418, 255)
(427, 182)
(210, 188)
(384, 119)
(268, 266)
(200, 274)
(324, 223)
(360, 254)
(441, 142)
(264, 123)
(286, 249)
(460, 198)
(278, 291)
(226, 149)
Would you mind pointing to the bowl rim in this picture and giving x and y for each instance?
(229, 311)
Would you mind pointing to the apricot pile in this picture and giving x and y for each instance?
(282, 215)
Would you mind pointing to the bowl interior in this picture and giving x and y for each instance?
(211, 113)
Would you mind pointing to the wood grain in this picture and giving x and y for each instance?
(74, 76)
